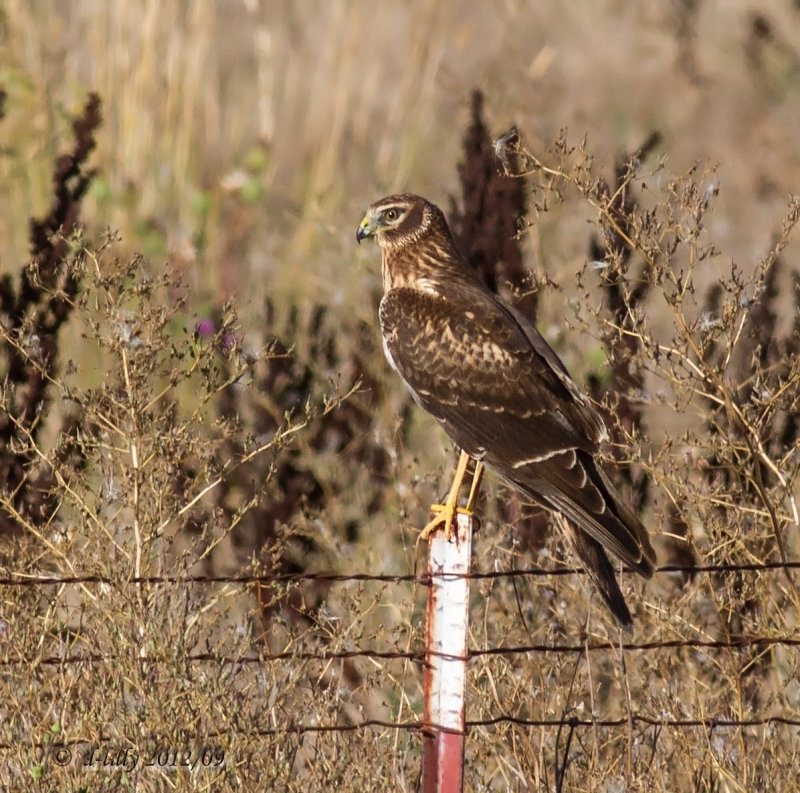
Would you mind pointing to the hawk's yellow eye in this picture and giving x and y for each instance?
(391, 214)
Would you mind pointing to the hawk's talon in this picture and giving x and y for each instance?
(447, 515)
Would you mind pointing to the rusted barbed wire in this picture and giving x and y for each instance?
(573, 722)
(414, 578)
(418, 655)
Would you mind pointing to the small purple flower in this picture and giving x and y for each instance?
(205, 328)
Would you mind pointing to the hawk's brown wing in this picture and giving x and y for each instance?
(505, 398)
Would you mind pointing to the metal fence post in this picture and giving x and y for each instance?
(446, 660)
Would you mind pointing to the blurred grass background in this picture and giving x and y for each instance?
(241, 143)
(242, 139)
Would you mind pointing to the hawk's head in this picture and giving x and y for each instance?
(398, 220)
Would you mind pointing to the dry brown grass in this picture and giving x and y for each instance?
(180, 436)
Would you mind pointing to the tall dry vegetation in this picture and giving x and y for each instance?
(165, 527)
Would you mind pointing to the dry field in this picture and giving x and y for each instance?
(210, 482)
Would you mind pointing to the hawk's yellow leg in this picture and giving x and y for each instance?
(446, 513)
(477, 477)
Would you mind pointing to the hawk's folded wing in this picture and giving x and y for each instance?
(505, 398)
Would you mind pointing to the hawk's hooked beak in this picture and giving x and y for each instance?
(366, 229)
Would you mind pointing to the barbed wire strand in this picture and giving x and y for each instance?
(278, 578)
(572, 722)
(742, 643)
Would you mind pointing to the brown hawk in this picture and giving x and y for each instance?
(502, 395)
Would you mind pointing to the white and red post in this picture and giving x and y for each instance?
(446, 659)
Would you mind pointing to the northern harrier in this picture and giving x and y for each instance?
(502, 395)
